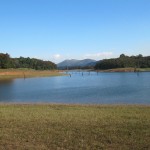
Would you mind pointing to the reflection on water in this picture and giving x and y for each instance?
(5, 81)
(6, 88)
(79, 87)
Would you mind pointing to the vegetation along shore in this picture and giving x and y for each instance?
(130, 69)
(53, 126)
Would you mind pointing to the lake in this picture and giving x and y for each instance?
(85, 88)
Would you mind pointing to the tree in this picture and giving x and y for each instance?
(7, 62)
(122, 55)
(124, 61)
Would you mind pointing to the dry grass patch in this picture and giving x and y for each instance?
(130, 69)
(74, 127)
(26, 73)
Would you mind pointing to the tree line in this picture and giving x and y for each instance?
(123, 62)
(7, 62)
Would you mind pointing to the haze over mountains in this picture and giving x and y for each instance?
(74, 63)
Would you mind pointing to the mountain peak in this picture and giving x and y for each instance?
(76, 63)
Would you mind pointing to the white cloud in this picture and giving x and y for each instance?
(57, 56)
(98, 56)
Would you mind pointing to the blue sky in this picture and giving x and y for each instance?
(63, 29)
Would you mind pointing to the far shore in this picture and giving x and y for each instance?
(27, 73)
(113, 70)
(127, 70)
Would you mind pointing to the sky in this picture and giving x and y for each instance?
(56, 30)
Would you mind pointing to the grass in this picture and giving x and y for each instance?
(26, 73)
(144, 69)
(126, 70)
(74, 127)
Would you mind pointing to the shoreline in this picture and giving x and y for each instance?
(27, 73)
(134, 70)
(112, 70)
(30, 73)
(71, 104)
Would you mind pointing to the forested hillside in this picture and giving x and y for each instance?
(124, 61)
(7, 62)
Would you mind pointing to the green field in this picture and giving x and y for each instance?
(74, 127)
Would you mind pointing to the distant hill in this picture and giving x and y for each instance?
(74, 64)
(124, 61)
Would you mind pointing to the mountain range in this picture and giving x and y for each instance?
(74, 63)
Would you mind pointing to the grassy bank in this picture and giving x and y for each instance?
(26, 73)
(74, 127)
(126, 70)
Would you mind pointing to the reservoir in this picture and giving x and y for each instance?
(79, 88)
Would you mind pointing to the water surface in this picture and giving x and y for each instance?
(93, 88)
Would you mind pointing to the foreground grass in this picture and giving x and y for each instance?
(75, 127)
(26, 73)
